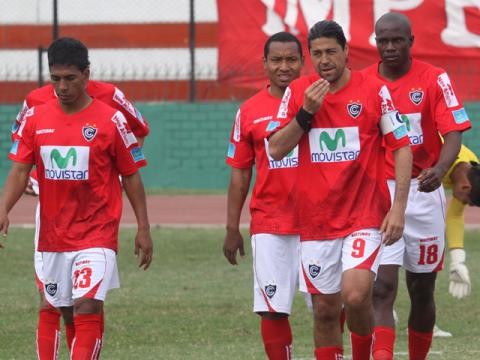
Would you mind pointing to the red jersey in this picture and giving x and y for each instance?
(78, 158)
(341, 182)
(426, 99)
(105, 92)
(272, 203)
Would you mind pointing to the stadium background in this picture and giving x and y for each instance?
(165, 57)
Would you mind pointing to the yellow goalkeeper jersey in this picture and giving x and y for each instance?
(455, 222)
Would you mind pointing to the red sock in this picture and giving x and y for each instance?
(361, 346)
(418, 344)
(384, 343)
(48, 334)
(277, 338)
(88, 336)
(329, 353)
(70, 334)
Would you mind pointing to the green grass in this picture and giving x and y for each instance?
(192, 305)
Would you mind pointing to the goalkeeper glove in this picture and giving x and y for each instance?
(460, 285)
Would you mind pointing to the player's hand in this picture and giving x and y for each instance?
(460, 285)
(29, 189)
(233, 242)
(314, 95)
(144, 248)
(430, 179)
(392, 226)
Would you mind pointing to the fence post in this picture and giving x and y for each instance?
(191, 37)
(55, 20)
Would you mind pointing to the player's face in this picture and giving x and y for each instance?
(283, 64)
(328, 58)
(393, 44)
(69, 82)
(461, 191)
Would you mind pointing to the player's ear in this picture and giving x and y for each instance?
(86, 73)
(412, 38)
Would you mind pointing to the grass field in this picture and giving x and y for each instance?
(192, 305)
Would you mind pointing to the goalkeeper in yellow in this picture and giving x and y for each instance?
(464, 180)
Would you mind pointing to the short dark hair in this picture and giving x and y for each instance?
(284, 37)
(474, 178)
(329, 29)
(68, 51)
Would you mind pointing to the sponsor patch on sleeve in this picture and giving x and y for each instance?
(14, 148)
(137, 154)
(272, 125)
(231, 150)
(127, 136)
(447, 89)
(460, 116)
(392, 122)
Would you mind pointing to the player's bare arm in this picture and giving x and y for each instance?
(135, 191)
(237, 193)
(431, 178)
(14, 186)
(394, 222)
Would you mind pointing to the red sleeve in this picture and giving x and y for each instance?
(134, 118)
(240, 153)
(23, 144)
(129, 156)
(289, 106)
(450, 114)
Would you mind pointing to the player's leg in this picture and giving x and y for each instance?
(361, 255)
(48, 330)
(275, 265)
(425, 245)
(321, 277)
(67, 315)
(94, 272)
(48, 327)
(384, 295)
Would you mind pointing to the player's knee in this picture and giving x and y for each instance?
(384, 291)
(356, 299)
(421, 287)
(87, 306)
(325, 314)
(272, 316)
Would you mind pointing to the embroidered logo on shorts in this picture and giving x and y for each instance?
(270, 290)
(354, 109)
(314, 270)
(51, 289)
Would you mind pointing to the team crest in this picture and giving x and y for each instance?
(354, 109)
(51, 289)
(314, 270)
(89, 132)
(270, 290)
(416, 96)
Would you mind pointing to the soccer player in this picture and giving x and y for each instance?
(79, 146)
(464, 180)
(273, 228)
(425, 97)
(340, 119)
(48, 329)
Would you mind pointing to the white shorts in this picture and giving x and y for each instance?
(324, 261)
(88, 273)
(275, 272)
(422, 247)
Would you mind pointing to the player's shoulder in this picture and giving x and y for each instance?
(303, 82)
(100, 90)
(363, 80)
(40, 95)
(422, 68)
(257, 100)
(371, 70)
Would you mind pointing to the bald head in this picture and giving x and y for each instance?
(394, 20)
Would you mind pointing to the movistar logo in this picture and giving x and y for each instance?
(332, 144)
(406, 121)
(62, 161)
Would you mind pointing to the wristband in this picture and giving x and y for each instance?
(304, 119)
